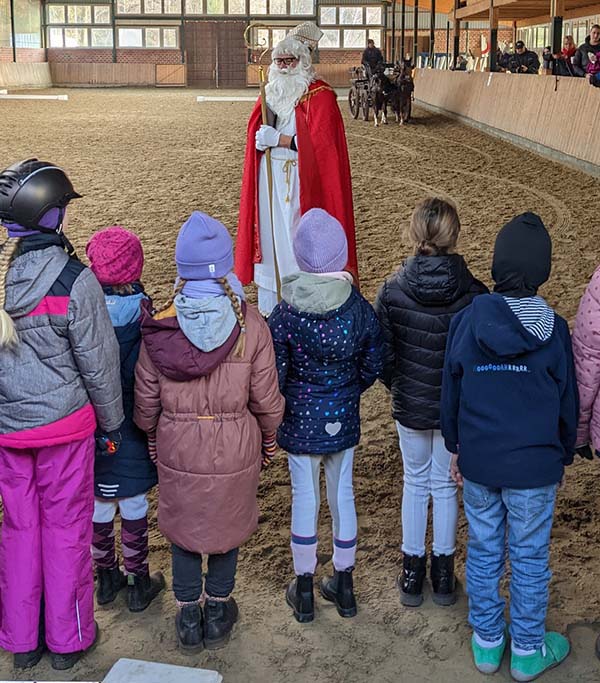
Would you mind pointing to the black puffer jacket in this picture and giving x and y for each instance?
(415, 306)
(582, 57)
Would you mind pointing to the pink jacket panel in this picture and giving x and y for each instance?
(73, 427)
(586, 349)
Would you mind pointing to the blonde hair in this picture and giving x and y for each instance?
(240, 346)
(434, 227)
(8, 332)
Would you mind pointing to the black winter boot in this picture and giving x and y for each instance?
(339, 589)
(443, 581)
(64, 661)
(142, 590)
(300, 597)
(110, 582)
(219, 618)
(26, 660)
(410, 581)
(189, 626)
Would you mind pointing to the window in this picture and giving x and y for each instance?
(130, 37)
(152, 7)
(170, 37)
(56, 15)
(193, 6)
(76, 37)
(56, 37)
(277, 35)
(102, 37)
(258, 6)
(302, 7)
(327, 16)
(152, 37)
(237, 7)
(354, 38)
(172, 6)
(262, 37)
(129, 7)
(373, 15)
(101, 15)
(375, 34)
(330, 39)
(351, 15)
(215, 6)
(278, 7)
(79, 14)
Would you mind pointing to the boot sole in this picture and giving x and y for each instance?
(190, 649)
(345, 612)
(218, 643)
(301, 618)
(444, 599)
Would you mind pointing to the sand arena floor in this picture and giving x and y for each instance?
(146, 159)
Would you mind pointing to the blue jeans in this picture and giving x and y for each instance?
(520, 520)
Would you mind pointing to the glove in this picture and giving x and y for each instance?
(266, 136)
(268, 450)
(110, 442)
(585, 452)
(152, 447)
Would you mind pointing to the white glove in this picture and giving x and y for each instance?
(266, 136)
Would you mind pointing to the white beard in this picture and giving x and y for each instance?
(286, 87)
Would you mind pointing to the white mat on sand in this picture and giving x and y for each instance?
(138, 671)
(3, 96)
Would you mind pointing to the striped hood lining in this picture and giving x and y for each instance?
(536, 316)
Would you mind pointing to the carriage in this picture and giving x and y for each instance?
(388, 84)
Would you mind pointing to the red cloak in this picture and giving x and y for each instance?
(323, 167)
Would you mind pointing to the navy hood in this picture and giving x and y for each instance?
(498, 331)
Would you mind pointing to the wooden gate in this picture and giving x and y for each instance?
(216, 54)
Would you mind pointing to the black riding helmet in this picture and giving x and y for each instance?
(29, 189)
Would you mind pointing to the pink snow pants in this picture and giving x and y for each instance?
(48, 497)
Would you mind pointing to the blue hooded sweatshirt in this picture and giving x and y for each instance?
(509, 399)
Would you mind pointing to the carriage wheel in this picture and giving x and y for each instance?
(353, 102)
(365, 106)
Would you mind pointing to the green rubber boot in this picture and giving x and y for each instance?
(487, 659)
(528, 667)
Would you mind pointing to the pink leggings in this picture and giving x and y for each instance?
(48, 497)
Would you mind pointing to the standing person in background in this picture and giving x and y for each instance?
(310, 165)
(123, 478)
(591, 46)
(509, 414)
(206, 385)
(328, 349)
(562, 64)
(371, 57)
(60, 374)
(523, 61)
(415, 307)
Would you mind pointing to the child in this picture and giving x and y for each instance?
(327, 344)
(59, 360)
(593, 67)
(509, 410)
(415, 307)
(122, 479)
(206, 383)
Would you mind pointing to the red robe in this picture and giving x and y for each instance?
(323, 167)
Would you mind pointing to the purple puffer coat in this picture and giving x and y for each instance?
(586, 348)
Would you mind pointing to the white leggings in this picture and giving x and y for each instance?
(305, 473)
(132, 508)
(427, 473)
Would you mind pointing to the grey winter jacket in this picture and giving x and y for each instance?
(67, 355)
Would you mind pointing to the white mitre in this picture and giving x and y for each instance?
(307, 32)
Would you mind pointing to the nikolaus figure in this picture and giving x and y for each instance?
(310, 168)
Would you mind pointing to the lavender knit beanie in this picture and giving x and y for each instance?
(204, 250)
(320, 244)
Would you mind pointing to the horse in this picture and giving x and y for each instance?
(402, 99)
(381, 89)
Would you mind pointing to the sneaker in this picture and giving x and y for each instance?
(62, 661)
(528, 667)
(487, 659)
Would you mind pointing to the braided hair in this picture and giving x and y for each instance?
(178, 287)
(8, 332)
(240, 346)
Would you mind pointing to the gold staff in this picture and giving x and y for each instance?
(258, 45)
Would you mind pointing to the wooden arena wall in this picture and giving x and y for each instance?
(558, 118)
(25, 75)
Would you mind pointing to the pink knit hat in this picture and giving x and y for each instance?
(116, 256)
